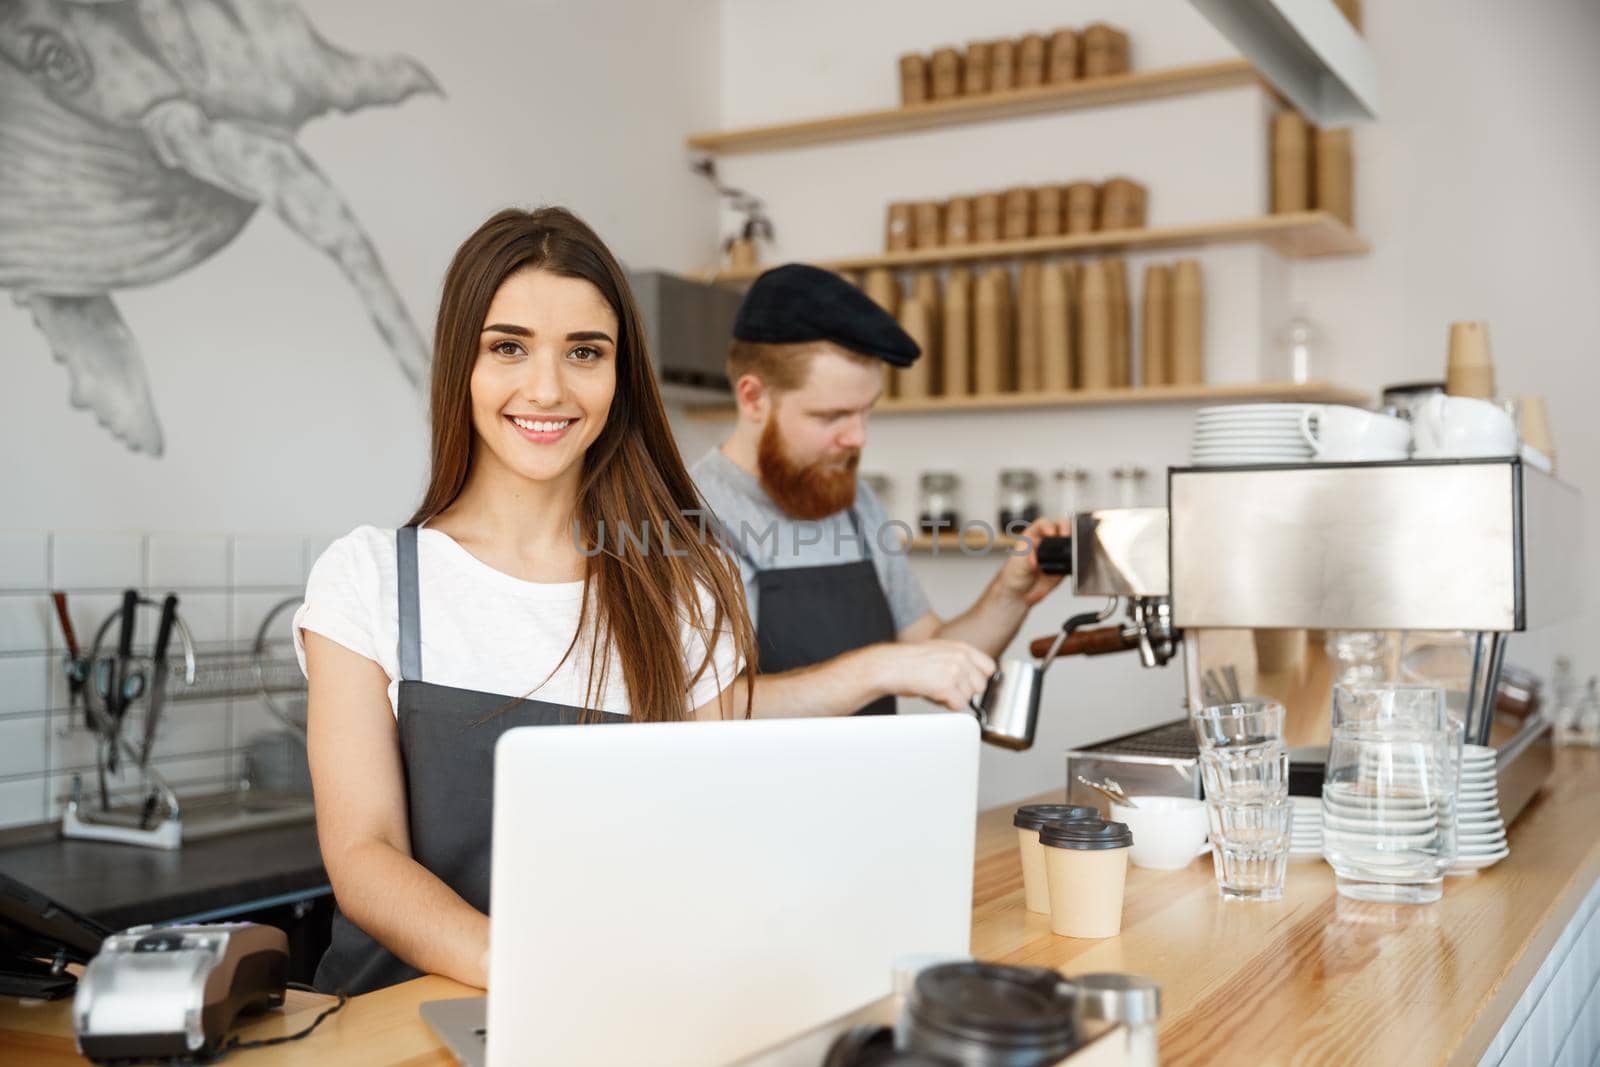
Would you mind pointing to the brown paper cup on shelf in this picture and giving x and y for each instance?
(1291, 175)
(945, 80)
(1031, 61)
(991, 332)
(1187, 366)
(916, 321)
(1121, 204)
(1121, 52)
(1028, 820)
(1121, 329)
(1095, 341)
(1002, 66)
(1156, 326)
(955, 333)
(1016, 218)
(986, 217)
(958, 221)
(927, 224)
(1055, 326)
(1082, 204)
(1047, 211)
(879, 283)
(1333, 175)
(1086, 867)
(975, 76)
(1099, 50)
(925, 290)
(1063, 62)
(1030, 365)
(897, 228)
(913, 79)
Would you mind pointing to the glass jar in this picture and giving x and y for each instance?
(1072, 484)
(1130, 485)
(1389, 794)
(1019, 500)
(938, 510)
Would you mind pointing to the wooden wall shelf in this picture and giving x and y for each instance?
(1296, 235)
(1247, 393)
(1071, 96)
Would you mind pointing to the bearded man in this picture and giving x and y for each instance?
(842, 625)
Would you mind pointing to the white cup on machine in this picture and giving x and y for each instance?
(1463, 427)
(1341, 434)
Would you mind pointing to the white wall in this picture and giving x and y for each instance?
(1476, 189)
(282, 409)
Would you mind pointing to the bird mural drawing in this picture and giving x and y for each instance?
(138, 137)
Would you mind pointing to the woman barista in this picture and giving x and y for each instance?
(508, 600)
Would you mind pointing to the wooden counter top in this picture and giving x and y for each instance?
(1312, 979)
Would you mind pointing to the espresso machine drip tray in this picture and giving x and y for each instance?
(1161, 761)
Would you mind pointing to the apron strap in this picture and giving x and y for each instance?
(405, 544)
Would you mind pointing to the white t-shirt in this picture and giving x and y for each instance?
(482, 629)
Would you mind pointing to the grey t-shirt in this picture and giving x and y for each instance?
(764, 538)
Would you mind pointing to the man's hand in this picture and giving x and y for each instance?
(1020, 576)
(948, 673)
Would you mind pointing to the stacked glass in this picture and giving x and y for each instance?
(1244, 767)
(1389, 795)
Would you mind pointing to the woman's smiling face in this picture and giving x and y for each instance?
(545, 374)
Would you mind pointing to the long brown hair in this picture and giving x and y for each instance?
(634, 602)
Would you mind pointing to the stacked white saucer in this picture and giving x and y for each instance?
(1305, 832)
(1240, 434)
(1480, 832)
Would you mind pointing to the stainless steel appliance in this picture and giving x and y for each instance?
(689, 326)
(1264, 560)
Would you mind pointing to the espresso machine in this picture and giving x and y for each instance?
(1263, 574)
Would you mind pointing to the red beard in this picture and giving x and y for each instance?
(812, 491)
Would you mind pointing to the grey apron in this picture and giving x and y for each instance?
(447, 739)
(810, 614)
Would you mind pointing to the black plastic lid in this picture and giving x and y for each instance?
(1003, 1006)
(1033, 816)
(1086, 834)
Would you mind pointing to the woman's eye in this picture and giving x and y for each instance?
(586, 354)
(506, 348)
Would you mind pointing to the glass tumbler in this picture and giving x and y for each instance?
(1389, 794)
(1244, 766)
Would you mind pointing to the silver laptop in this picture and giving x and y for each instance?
(689, 893)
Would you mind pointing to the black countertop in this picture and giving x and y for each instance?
(125, 885)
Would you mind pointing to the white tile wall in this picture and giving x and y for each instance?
(225, 585)
(23, 740)
(188, 561)
(24, 559)
(25, 682)
(268, 561)
(92, 560)
(21, 802)
(27, 622)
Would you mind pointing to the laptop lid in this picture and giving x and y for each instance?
(688, 893)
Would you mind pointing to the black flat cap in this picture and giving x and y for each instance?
(796, 303)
